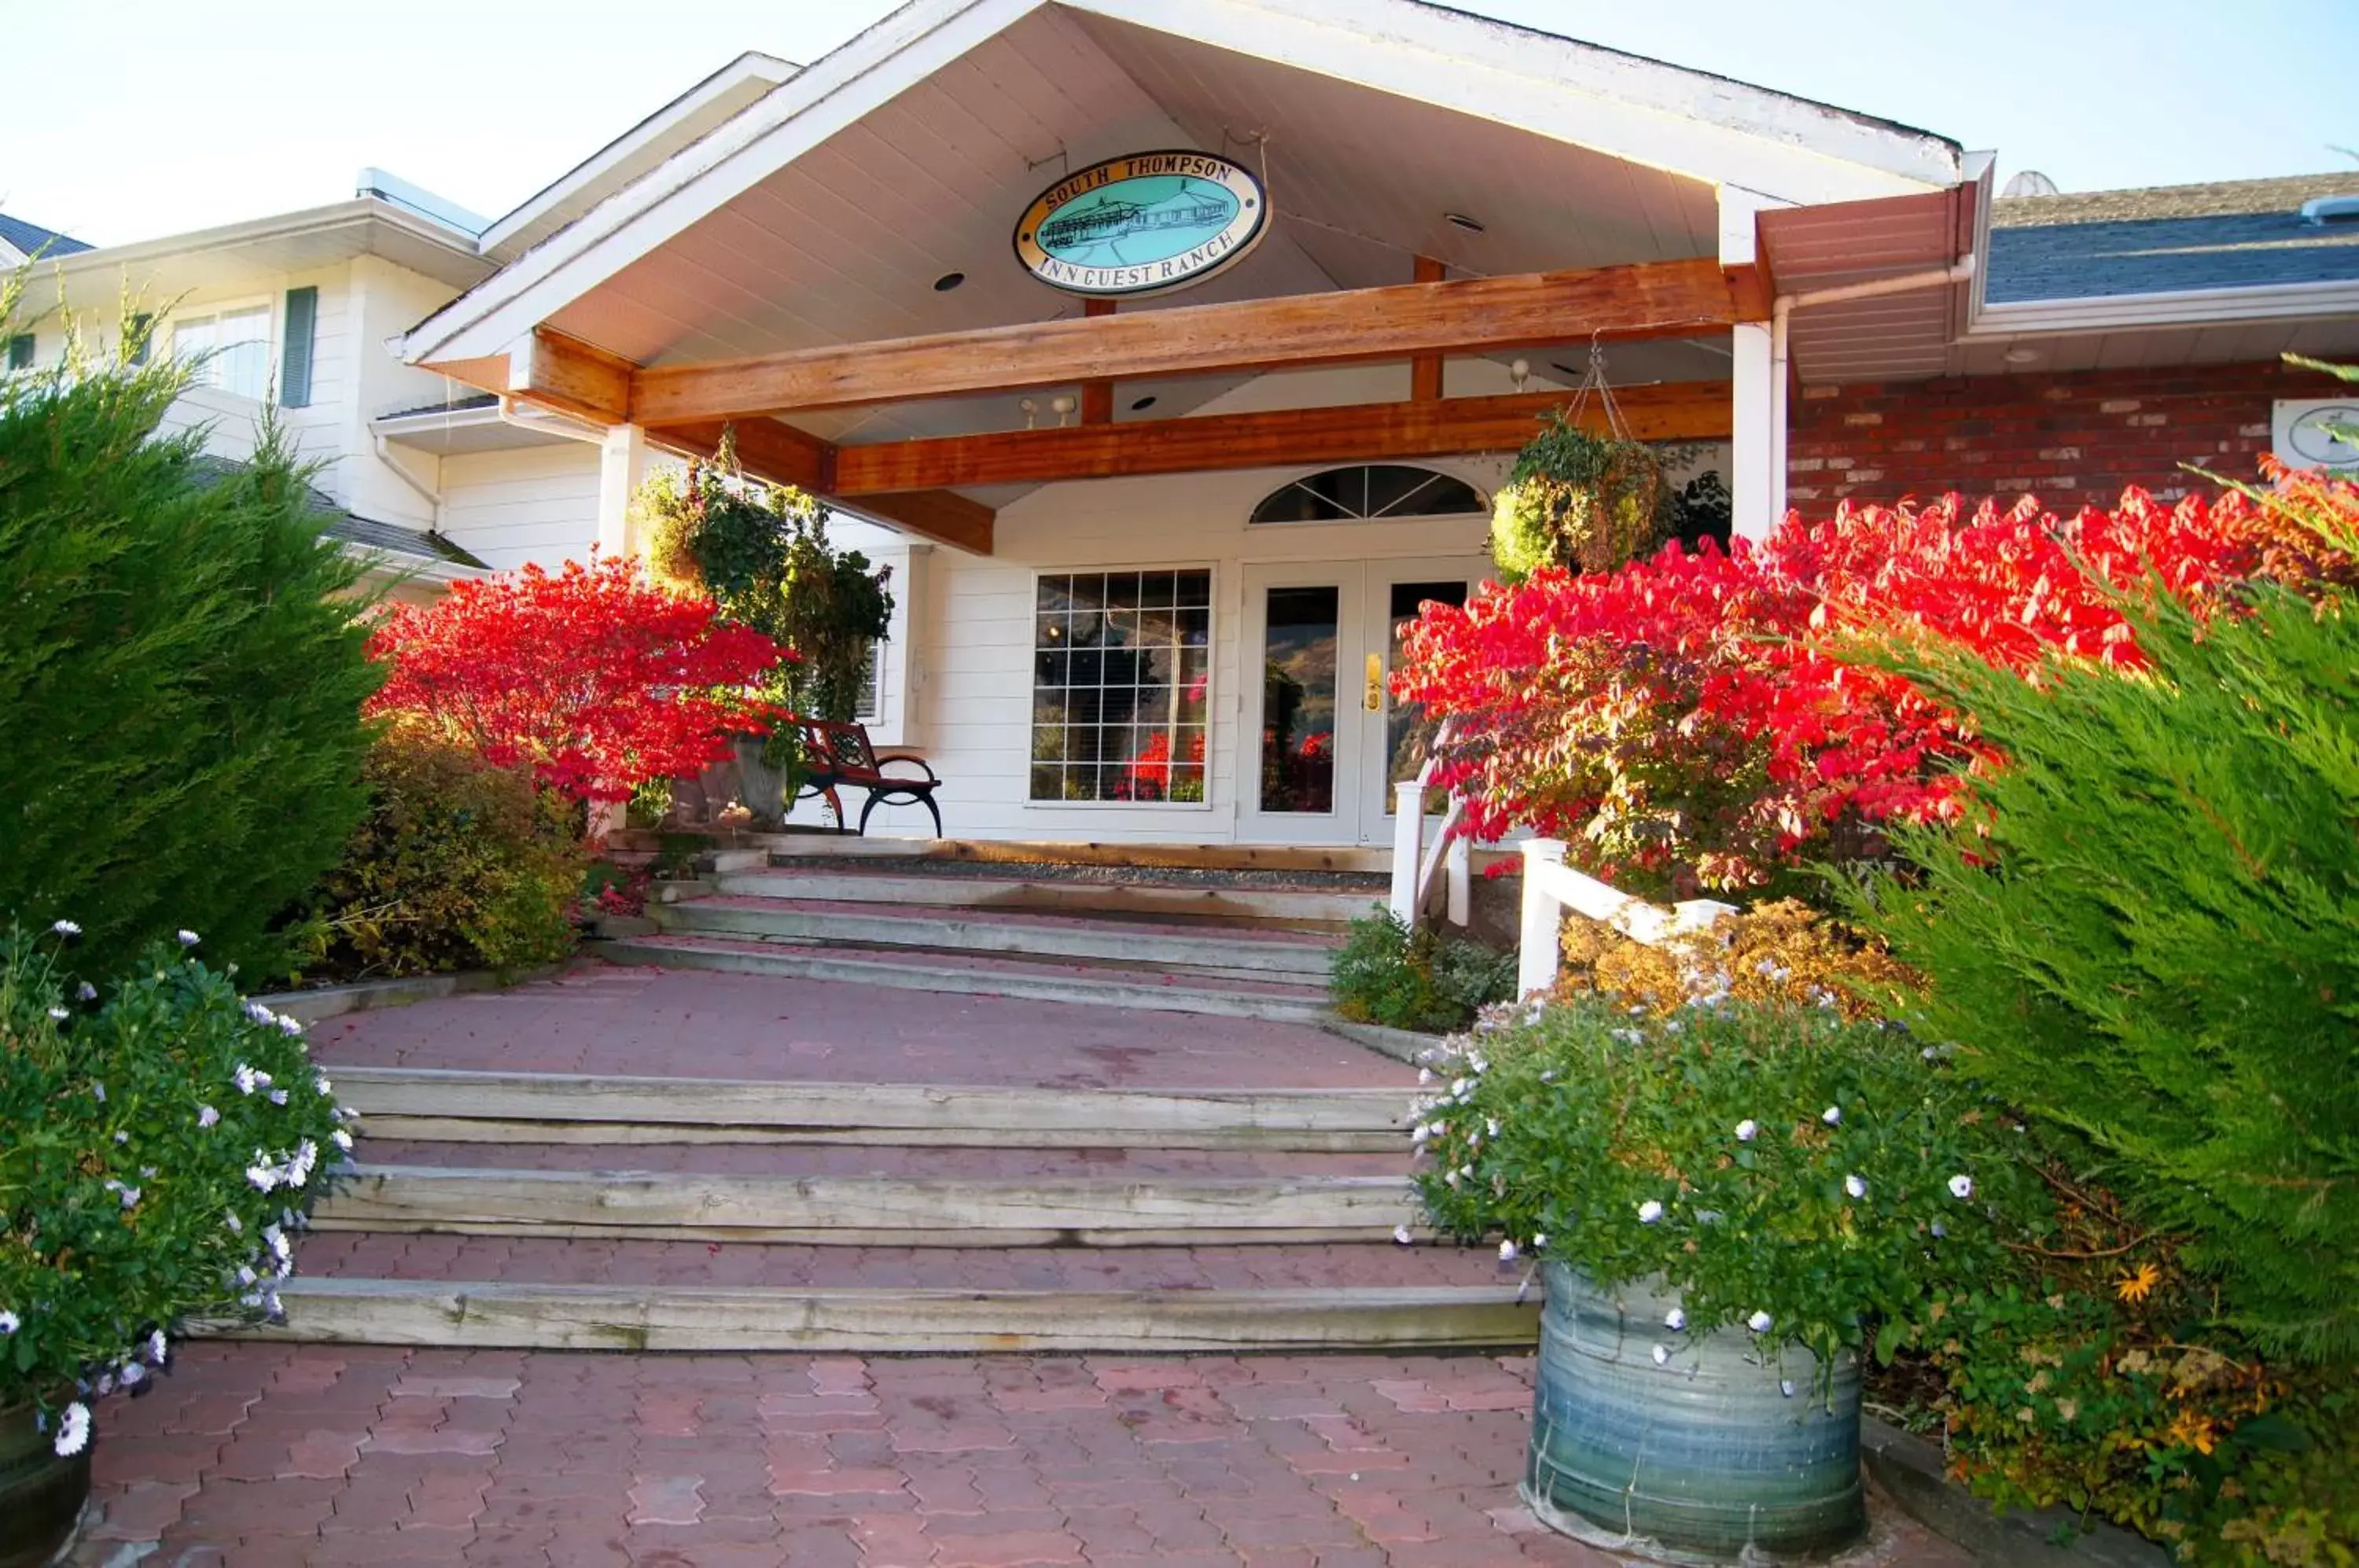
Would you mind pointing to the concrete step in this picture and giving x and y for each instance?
(1214, 951)
(1188, 900)
(870, 1211)
(516, 1109)
(877, 1322)
(990, 976)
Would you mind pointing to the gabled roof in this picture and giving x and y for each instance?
(1642, 113)
(407, 547)
(2243, 234)
(29, 240)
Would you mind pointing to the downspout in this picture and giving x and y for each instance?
(1781, 314)
(433, 497)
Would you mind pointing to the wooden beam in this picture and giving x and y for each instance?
(738, 1319)
(1424, 370)
(571, 377)
(1097, 396)
(1461, 316)
(784, 456)
(942, 514)
(1360, 432)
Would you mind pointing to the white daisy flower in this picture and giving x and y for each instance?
(60, 1013)
(1507, 1253)
(73, 1432)
(278, 1096)
(1855, 1185)
(341, 1139)
(1650, 1212)
(208, 1116)
(263, 1177)
(248, 1080)
(85, 992)
(1831, 1115)
(1746, 1129)
(245, 1274)
(236, 1226)
(1760, 1323)
(320, 1082)
(1540, 1241)
(1676, 1321)
(1786, 1387)
(1662, 1354)
(289, 1027)
(132, 1375)
(10, 1323)
(65, 928)
(189, 938)
(1961, 1186)
(158, 1349)
(1940, 1230)
(1401, 1235)
(260, 1014)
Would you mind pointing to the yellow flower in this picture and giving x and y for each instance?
(2136, 1285)
(2191, 1430)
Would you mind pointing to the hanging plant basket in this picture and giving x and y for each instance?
(1582, 499)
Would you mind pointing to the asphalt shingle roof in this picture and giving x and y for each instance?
(2236, 235)
(336, 522)
(30, 237)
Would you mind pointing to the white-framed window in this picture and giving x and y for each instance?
(872, 685)
(1122, 676)
(1370, 492)
(229, 345)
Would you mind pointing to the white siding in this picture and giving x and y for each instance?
(535, 504)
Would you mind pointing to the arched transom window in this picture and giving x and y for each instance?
(1368, 491)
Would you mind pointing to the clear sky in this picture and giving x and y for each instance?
(127, 119)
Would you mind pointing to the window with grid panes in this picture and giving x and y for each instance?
(1122, 675)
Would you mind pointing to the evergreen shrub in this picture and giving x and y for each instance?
(459, 864)
(181, 671)
(1430, 981)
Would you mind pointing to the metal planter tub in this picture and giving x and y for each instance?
(1702, 1458)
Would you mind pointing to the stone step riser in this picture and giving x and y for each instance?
(1109, 942)
(682, 953)
(1048, 896)
(882, 1322)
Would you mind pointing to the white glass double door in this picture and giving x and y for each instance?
(1324, 740)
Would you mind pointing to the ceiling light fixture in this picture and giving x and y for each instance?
(2022, 357)
(948, 281)
(1460, 220)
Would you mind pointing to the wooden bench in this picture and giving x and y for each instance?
(837, 755)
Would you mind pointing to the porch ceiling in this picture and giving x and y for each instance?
(843, 245)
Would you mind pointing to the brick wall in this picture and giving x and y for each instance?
(2077, 437)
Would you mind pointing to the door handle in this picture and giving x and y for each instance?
(1375, 701)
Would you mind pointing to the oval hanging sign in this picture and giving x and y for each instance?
(1142, 224)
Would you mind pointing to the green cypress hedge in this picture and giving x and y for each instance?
(181, 672)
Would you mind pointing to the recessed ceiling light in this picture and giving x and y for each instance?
(948, 281)
(2022, 357)
(1460, 220)
(1141, 405)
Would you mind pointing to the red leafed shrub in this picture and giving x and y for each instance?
(595, 677)
(1712, 720)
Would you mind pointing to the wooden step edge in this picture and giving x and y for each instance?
(463, 1128)
(894, 1321)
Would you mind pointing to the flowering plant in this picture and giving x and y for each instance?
(1776, 1166)
(163, 1142)
(1701, 719)
(596, 677)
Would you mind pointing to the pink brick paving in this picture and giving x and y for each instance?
(258, 1456)
(699, 1024)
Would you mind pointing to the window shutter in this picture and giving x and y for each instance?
(21, 352)
(295, 366)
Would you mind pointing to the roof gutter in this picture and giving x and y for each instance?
(1781, 316)
(2177, 308)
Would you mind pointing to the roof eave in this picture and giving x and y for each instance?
(285, 225)
(2176, 308)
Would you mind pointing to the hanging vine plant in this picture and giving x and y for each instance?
(1581, 500)
(761, 552)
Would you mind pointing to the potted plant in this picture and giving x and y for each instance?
(1580, 500)
(1722, 1201)
(163, 1141)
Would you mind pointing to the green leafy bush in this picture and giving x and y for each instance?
(1777, 1166)
(2150, 935)
(180, 671)
(1581, 501)
(459, 864)
(161, 1144)
(1430, 981)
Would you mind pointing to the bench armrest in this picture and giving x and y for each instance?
(908, 756)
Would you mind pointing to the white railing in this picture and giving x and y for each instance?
(1416, 865)
(1550, 887)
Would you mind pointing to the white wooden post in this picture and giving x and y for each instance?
(1757, 435)
(1538, 950)
(622, 463)
(1409, 849)
(1461, 882)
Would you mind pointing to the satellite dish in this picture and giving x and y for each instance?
(2031, 182)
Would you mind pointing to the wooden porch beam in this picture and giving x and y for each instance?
(571, 377)
(784, 455)
(1424, 370)
(1469, 315)
(1283, 437)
